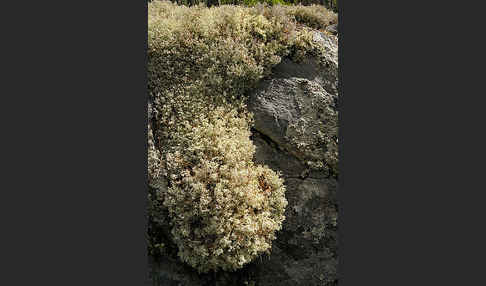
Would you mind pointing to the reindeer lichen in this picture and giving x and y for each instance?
(223, 209)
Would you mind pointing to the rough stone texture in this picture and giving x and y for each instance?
(297, 107)
(332, 29)
(288, 106)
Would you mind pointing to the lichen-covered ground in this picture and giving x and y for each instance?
(263, 82)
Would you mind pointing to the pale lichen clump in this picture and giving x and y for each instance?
(223, 209)
(314, 16)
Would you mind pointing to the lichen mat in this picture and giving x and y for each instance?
(223, 210)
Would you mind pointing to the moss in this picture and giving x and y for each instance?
(223, 209)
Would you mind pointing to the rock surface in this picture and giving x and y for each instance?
(333, 29)
(291, 110)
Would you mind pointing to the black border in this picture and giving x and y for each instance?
(75, 163)
(74, 176)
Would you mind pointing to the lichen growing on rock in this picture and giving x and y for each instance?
(223, 209)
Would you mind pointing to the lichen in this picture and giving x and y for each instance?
(223, 209)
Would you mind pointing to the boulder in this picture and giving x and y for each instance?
(297, 108)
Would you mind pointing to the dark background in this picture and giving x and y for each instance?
(73, 102)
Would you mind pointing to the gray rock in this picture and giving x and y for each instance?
(333, 29)
(296, 114)
(297, 107)
(323, 71)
